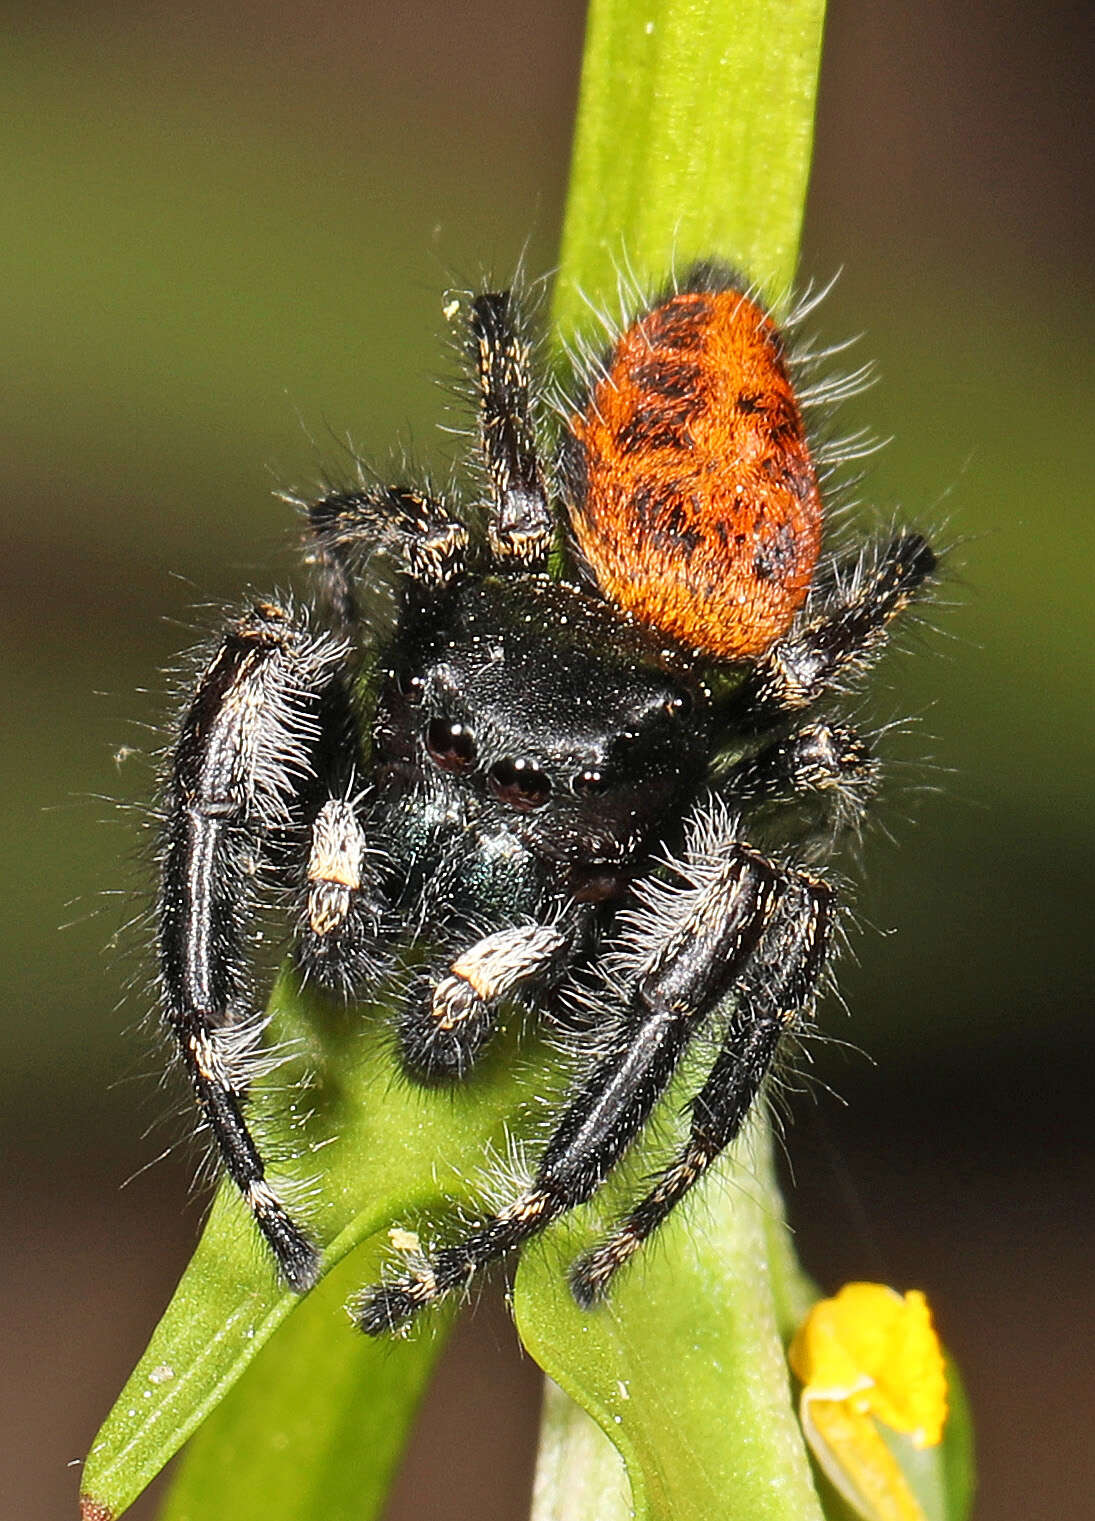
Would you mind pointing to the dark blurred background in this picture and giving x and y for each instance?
(226, 233)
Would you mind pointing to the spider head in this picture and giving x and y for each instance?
(555, 717)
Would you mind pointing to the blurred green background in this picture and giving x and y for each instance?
(226, 233)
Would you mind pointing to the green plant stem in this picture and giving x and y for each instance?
(695, 128)
(579, 1473)
(683, 1368)
(693, 140)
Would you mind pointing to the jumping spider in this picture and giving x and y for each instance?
(540, 774)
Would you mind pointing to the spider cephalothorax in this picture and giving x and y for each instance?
(543, 776)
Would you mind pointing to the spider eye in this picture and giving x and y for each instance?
(407, 685)
(451, 745)
(520, 783)
(679, 706)
(589, 782)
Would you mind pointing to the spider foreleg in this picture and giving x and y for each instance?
(779, 980)
(245, 753)
(690, 954)
(520, 528)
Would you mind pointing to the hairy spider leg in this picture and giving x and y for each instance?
(520, 529)
(415, 532)
(819, 757)
(442, 1034)
(779, 981)
(245, 754)
(841, 639)
(702, 949)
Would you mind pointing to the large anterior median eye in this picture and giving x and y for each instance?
(520, 783)
(451, 745)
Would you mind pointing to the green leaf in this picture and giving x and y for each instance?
(579, 1472)
(683, 1367)
(693, 140)
(315, 1428)
(695, 126)
(384, 1150)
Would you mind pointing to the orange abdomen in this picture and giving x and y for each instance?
(697, 504)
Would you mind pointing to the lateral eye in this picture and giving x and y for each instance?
(520, 783)
(451, 745)
(590, 781)
(679, 706)
(407, 685)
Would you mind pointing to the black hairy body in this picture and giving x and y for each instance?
(543, 796)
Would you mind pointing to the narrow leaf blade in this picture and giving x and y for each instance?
(694, 135)
(385, 1150)
(683, 1366)
(316, 1427)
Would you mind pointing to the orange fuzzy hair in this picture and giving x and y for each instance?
(698, 507)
